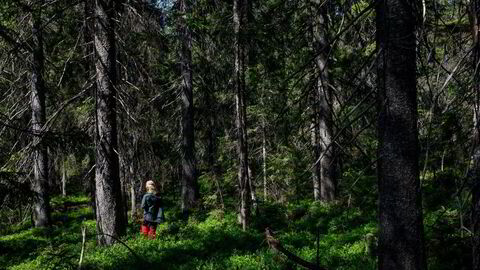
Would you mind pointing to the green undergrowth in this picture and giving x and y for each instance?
(208, 240)
(338, 235)
(447, 220)
(60, 201)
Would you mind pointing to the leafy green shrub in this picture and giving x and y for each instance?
(244, 262)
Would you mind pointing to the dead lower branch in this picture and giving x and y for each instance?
(275, 244)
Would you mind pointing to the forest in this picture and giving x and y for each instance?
(279, 134)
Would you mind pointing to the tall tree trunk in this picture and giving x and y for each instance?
(324, 100)
(190, 192)
(64, 179)
(401, 239)
(239, 21)
(110, 215)
(123, 175)
(133, 175)
(133, 201)
(89, 69)
(316, 171)
(124, 159)
(264, 159)
(211, 132)
(89, 48)
(475, 15)
(253, 194)
(314, 131)
(41, 207)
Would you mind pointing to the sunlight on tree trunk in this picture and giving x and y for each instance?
(323, 121)
(239, 22)
(41, 207)
(109, 206)
(64, 179)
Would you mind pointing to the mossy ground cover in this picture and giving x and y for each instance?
(341, 235)
(208, 240)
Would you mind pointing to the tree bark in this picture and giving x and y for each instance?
(89, 50)
(64, 179)
(89, 71)
(41, 207)
(109, 206)
(316, 169)
(133, 201)
(132, 172)
(264, 159)
(124, 158)
(239, 21)
(324, 100)
(253, 193)
(474, 15)
(190, 192)
(401, 239)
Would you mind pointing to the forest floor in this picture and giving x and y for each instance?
(212, 240)
(208, 240)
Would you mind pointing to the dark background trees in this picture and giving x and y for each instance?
(251, 107)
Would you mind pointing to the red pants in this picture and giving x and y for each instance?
(149, 231)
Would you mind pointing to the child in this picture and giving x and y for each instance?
(152, 211)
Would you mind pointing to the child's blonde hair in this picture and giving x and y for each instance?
(150, 186)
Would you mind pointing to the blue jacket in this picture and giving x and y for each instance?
(152, 208)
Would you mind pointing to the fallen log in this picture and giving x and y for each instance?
(275, 244)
